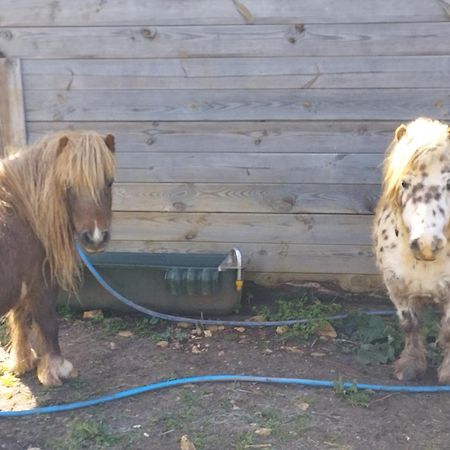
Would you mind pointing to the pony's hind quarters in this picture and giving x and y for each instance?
(52, 369)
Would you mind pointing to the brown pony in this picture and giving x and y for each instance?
(51, 194)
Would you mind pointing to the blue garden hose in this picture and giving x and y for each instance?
(214, 378)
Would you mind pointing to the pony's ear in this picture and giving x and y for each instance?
(400, 131)
(110, 142)
(61, 144)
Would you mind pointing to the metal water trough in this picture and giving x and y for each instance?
(167, 282)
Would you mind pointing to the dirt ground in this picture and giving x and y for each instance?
(117, 353)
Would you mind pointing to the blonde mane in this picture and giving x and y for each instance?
(34, 181)
(423, 138)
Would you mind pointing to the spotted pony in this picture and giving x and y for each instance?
(411, 236)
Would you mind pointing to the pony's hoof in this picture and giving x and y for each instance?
(408, 369)
(52, 368)
(48, 379)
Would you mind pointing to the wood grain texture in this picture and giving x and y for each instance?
(250, 228)
(286, 168)
(273, 258)
(281, 104)
(236, 137)
(248, 198)
(162, 12)
(227, 41)
(238, 73)
(12, 117)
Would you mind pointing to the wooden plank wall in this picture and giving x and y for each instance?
(239, 122)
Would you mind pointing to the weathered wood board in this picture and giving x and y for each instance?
(355, 39)
(269, 104)
(47, 13)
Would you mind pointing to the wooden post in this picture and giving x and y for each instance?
(12, 116)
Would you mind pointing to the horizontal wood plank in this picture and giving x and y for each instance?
(280, 104)
(231, 227)
(238, 73)
(232, 137)
(355, 283)
(250, 168)
(161, 12)
(248, 198)
(273, 258)
(233, 40)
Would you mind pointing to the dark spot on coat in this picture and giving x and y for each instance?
(437, 196)
(417, 187)
(396, 232)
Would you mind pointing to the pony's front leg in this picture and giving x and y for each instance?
(444, 342)
(52, 367)
(412, 362)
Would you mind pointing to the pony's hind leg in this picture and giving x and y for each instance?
(52, 367)
(22, 357)
(444, 342)
(412, 362)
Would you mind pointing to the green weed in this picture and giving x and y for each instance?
(379, 340)
(304, 307)
(89, 435)
(352, 394)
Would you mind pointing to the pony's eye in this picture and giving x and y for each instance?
(109, 183)
(405, 185)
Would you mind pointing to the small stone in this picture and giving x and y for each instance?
(263, 431)
(184, 325)
(162, 344)
(281, 330)
(327, 331)
(93, 314)
(239, 329)
(292, 349)
(125, 333)
(318, 354)
(208, 333)
(257, 318)
(112, 345)
(186, 443)
(303, 406)
(195, 350)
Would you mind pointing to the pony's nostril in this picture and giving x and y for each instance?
(438, 244)
(414, 244)
(106, 236)
(86, 237)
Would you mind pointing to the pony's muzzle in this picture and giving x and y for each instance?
(96, 240)
(427, 248)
